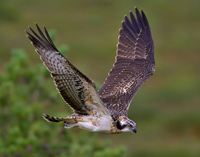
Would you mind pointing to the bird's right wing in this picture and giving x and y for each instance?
(76, 89)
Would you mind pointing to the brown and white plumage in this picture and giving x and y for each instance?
(105, 111)
(74, 86)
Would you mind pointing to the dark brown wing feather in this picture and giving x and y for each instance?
(73, 86)
(134, 64)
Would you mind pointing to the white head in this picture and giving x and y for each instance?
(126, 125)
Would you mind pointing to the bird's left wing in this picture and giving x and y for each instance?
(134, 64)
(75, 88)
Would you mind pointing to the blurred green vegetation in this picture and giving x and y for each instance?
(166, 108)
(23, 97)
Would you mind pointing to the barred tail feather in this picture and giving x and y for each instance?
(53, 119)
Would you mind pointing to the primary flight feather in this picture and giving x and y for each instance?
(104, 110)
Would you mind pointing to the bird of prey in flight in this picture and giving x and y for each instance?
(104, 110)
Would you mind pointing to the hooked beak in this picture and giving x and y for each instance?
(135, 130)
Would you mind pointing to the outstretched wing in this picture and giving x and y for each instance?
(134, 64)
(75, 88)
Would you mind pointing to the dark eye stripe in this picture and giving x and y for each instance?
(120, 127)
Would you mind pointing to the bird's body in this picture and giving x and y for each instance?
(95, 123)
(104, 110)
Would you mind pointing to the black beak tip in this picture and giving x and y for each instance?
(135, 130)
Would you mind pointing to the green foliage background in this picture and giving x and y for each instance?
(166, 108)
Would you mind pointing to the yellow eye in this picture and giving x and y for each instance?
(128, 125)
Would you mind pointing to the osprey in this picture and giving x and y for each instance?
(104, 110)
